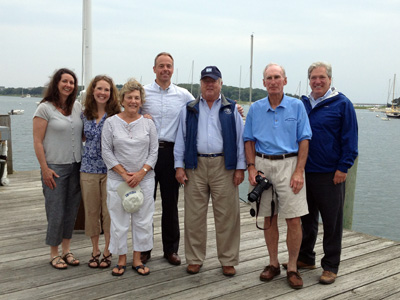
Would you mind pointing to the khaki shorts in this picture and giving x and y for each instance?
(279, 173)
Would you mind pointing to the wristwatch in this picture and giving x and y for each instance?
(144, 169)
(250, 164)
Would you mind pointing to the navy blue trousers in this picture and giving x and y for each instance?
(327, 199)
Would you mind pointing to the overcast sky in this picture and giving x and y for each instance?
(360, 38)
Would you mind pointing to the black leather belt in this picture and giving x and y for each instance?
(210, 155)
(275, 157)
(162, 144)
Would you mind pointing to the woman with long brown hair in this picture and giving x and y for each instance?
(101, 102)
(57, 139)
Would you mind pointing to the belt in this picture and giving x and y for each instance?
(210, 155)
(275, 157)
(162, 144)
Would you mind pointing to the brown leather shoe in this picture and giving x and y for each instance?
(301, 265)
(294, 280)
(173, 258)
(145, 256)
(269, 273)
(193, 269)
(327, 277)
(228, 270)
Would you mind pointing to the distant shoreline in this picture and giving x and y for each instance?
(241, 102)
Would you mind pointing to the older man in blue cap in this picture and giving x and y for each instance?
(210, 161)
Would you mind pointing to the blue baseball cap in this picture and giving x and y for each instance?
(211, 71)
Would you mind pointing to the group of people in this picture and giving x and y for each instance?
(164, 136)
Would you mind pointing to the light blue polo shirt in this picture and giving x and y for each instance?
(277, 131)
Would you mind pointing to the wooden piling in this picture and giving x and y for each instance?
(5, 120)
(349, 197)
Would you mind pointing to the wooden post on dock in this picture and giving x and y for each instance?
(349, 197)
(5, 120)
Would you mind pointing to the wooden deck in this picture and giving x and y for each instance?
(370, 267)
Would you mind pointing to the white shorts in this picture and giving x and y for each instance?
(287, 204)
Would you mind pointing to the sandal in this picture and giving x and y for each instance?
(119, 267)
(140, 267)
(94, 259)
(58, 262)
(70, 259)
(107, 260)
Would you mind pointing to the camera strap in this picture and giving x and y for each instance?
(274, 193)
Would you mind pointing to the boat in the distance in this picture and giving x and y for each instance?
(393, 111)
(16, 112)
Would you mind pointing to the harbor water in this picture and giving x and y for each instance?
(376, 204)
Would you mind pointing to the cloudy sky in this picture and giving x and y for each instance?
(360, 38)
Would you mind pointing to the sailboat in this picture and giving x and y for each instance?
(393, 112)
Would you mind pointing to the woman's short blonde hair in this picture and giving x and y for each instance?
(130, 86)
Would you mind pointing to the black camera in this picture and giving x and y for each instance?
(263, 184)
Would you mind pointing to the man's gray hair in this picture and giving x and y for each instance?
(317, 64)
(274, 64)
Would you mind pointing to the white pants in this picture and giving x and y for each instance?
(141, 221)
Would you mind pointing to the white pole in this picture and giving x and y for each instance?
(87, 42)
(191, 86)
(240, 80)
(251, 68)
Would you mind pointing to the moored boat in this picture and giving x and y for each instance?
(393, 111)
(16, 112)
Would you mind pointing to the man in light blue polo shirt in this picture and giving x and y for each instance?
(276, 136)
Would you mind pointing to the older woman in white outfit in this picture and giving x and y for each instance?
(129, 150)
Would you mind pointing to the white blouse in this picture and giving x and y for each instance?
(131, 145)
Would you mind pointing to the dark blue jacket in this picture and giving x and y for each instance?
(334, 143)
(228, 125)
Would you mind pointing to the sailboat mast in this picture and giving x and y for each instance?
(86, 43)
(394, 83)
(240, 80)
(251, 68)
(191, 85)
(307, 86)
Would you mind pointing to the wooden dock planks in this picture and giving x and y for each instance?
(370, 267)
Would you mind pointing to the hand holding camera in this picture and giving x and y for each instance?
(262, 184)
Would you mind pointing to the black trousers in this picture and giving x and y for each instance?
(325, 198)
(169, 188)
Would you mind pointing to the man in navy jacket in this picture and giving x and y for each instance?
(333, 149)
(209, 161)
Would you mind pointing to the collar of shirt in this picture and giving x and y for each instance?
(314, 102)
(205, 101)
(282, 104)
(157, 86)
